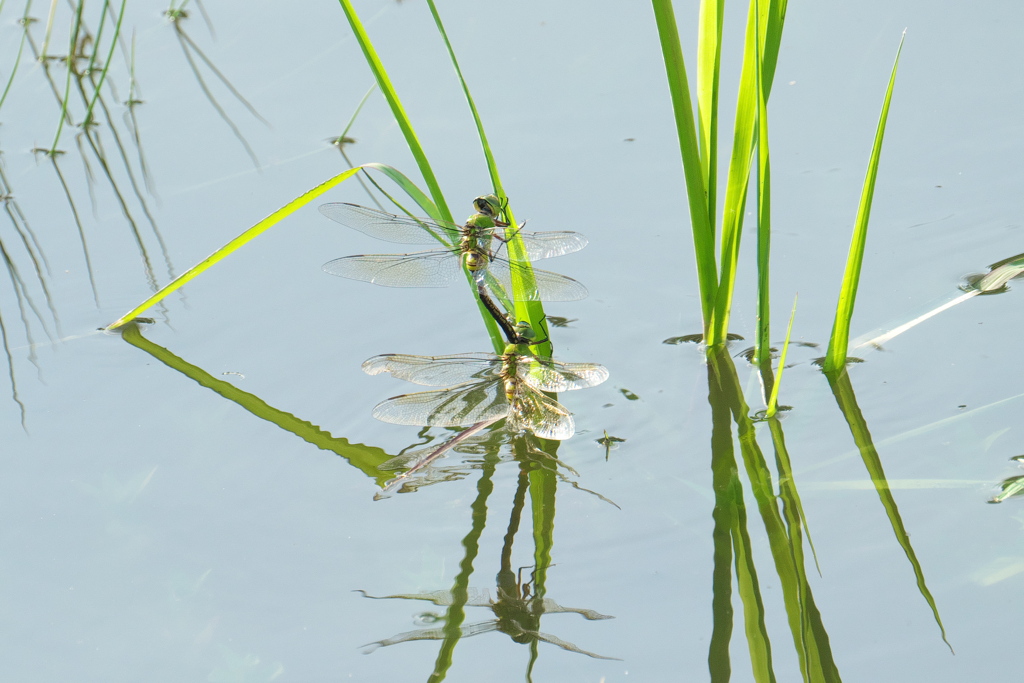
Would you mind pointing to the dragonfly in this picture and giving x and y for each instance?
(486, 386)
(470, 244)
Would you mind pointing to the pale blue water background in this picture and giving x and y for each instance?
(152, 530)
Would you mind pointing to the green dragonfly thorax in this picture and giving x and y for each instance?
(477, 233)
(475, 243)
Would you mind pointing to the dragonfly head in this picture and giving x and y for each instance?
(489, 205)
(476, 260)
(524, 330)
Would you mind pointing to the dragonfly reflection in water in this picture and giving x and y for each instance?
(517, 613)
(487, 387)
(470, 244)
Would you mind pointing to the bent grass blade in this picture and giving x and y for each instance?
(270, 221)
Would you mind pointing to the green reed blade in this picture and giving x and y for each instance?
(773, 401)
(762, 347)
(235, 244)
(709, 61)
(528, 311)
(397, 110)
(838, 343)
(763, 34)
(689, 150)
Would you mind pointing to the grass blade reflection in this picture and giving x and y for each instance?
(842, 389)
(362, 457)
(784, 538)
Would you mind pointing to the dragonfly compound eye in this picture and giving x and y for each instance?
(488, 205)
(525, 330)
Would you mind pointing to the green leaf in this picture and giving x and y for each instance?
(397, 110)
(689, 150)
(763, 36)
(235, 244)
(838, 344)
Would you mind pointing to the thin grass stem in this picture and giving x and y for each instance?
(773, 401)
(529, 311)
(232, 246)
(397, 110)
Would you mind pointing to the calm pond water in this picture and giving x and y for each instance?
(199, 504)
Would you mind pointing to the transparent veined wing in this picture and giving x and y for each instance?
(475, 597)
(435, 371)
(467, 631)
(547, 286)
(550, 375)
(550, 244)
(389, 227)
(419, 269)
(532, 411)
(552, 607)
(456, 406)
(565, 645)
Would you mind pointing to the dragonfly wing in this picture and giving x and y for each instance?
(433, 634)
(550, 375)
(389, 227)
(477, 597)
(533, 411)
(420, 269)
(435, 371)
(548, 244)
(456, 406)
(566, 645)
(552, 607)
(540, 285)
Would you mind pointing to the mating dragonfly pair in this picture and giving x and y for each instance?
(487, 387)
